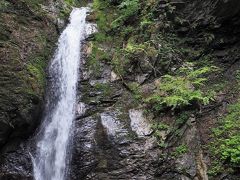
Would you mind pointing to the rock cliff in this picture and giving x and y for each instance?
(131, 121)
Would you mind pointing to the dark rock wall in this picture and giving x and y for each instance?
(216, 20)
(212, 14)
(112, 137)
(27, 37)
(99, 154)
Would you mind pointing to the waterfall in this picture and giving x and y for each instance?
(50, 161)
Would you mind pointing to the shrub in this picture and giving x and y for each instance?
(119, 63)
(182, 89)
(101, 8)
(128, 8)
(139, 50)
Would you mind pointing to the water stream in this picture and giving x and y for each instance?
(50, 161)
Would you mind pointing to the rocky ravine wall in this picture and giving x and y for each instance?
(106, 143)
(219, 19)
(28, 33)
(26, 41)
(113, 138)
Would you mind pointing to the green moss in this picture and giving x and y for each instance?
(94, 59)
(119, 63)
(37, 73)
(37, 63)
(27, 38)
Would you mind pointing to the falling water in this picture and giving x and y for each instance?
(51, 156)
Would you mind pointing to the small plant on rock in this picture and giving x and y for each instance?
(180, 150)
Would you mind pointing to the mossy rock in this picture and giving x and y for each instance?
(27, 41)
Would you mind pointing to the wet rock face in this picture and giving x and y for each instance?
(112, 138)
(106, 147)
(83, 154)
(16, 164)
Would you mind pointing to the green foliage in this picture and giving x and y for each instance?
(64, 13)
(182, 118)
(135, 90)
(101, 8)
(104, 38)
(104, 88)
(145, 23)
(136, 50)
(226, 145)
(124, 32)
(238, 76)
(70, 2)
(75, 3)
(167, 50)
(159, 129)
(119, 62)
(34, 4)
(230, 149)
(180, 150)
(4, 4)
(94, 60)
(182, 89)
(128, 9)
(215, 168)
(122, 58)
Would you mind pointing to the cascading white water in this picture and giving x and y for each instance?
(51, 156)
